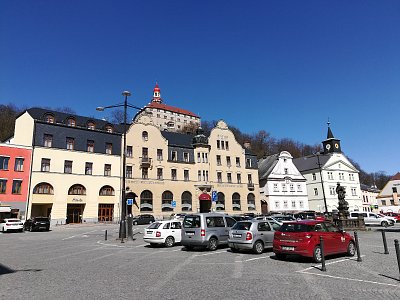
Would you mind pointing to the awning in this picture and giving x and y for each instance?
(205, 196)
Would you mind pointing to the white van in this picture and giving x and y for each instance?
(371, 218)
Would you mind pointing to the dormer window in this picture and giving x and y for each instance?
(49, 118)
(71, 122)
(90, 125)
(109, 128)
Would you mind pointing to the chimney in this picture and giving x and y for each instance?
(247, 144)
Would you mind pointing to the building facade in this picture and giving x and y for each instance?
(388, 198)
(323, 171)
(76, 166)
(15, 165)
(369, 194)
(166, 117)
(172, 172)
(282, 187)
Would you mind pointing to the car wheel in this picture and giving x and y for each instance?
(258, 247)
(317, 254)
(169, 241)
(385, 224)
(351, 249)
(212, 244)
(234, 250)
(280, 256)
(134, 223)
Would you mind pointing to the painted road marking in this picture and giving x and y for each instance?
(329, 263)
(212, 253)
(73, 236)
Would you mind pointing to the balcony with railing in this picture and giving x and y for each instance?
(145, 161)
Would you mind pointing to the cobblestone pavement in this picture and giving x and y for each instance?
(76, 262)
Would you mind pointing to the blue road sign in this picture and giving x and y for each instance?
(129, 201)
(214, 196)
(173, 203)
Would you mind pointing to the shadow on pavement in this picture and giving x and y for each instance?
(6, 270)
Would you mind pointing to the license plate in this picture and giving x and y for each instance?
(287, 248)
(237, 235)
(149, 232)
(189, 233)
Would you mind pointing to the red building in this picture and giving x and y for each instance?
(15, 165)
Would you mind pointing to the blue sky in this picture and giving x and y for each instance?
(281, 66)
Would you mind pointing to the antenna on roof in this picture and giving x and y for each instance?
(329, 123)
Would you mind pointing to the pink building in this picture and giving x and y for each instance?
(15, 165)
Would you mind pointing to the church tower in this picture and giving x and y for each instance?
(157, 94)
(331, 144)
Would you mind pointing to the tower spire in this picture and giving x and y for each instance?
(157, 94)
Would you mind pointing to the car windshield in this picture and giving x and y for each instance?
(13, 221)
(242, 226)
(295, 227)
(41, 219)
(191, 222)
(154, 225)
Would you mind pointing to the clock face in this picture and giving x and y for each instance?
(328, 146)
(336, 145)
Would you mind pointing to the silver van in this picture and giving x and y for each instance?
(371, 218)
(206, 230)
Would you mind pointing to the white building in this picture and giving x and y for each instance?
(324, 171)
(369, 194)
(282, 187)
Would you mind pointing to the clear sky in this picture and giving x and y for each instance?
(281, 66)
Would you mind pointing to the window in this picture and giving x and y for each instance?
(314, 176)
(49, 119)
(284, 187)
(285, 170)
(174, 156)
(47, 140)
(228, 161)
(185, 157)
(145, 173)
(159, 173)
(90, 146)
(109, 128)
(383, 202)
(222, 145)
(332, 190)
(198, 157)
(226, 145)
(205, 158)
(186, 175)
(159, 154)
(71, 122)
(285, 204)
(128, 171)
(315, 192)
(249, 179)
(219, 160)
(276, 204)
(218, 145)
(199, 175)
(292, 187)
(248, 163)
(186, 201)
(68, 166)
(301, 203)
(394, 189)
(239, 178)
(299, 188)
(330, 175)
(129, 151)
(293, 204)
(16, 187)
(206, 176)
(106, 191)
(173, 174)
(145, 152)
(45, 166)
(107, 170)
(91, 125)
(88, 168)
(276, 189)
(70, 143)
(108, 148)
(229, 175)
(3, 184)
(77, 189)
(341, 176)
(145, 136)
(351, 177)
(251, 201)
(236, 201)
(19, 164)
(353, 192)
(215, 222)
(43, 188)
(219, 176)
(237, 162)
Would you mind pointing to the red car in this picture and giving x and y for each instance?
(303, 238)
(394, 215)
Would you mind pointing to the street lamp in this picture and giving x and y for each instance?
(122, 223)
(322, 182)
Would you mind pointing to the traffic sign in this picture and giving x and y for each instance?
(173, 203)
(129, 201)
(214, 195)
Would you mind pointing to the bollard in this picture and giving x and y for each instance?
(105, 235)
(357, 246)
(396, 246)
(384, 242)
(321, 243)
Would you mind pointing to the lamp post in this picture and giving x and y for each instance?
(122, 223)
(322, 182)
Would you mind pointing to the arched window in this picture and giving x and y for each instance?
(251, 202)
(220, 204)
(146, 201)
(236, 201)
(43, 188)
(107, 191)
(71, 122)
(77, 189)
(91, 125)
(186, 201)
(49, 118)
(166, 202)
(145, 135)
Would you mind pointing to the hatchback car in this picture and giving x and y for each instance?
(163, 232)
(143, 219)
(11, 224)
(37, 223)
(303, 238)
(253, 235)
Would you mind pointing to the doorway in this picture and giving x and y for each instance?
(106, 212)
(74, 213)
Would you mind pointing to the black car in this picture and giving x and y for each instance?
(37, 223)
(143, 219)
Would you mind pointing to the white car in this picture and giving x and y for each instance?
(11, 224)
(163, 232)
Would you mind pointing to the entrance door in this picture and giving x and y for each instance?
(205, 206)
(74, 213)
(106, 212)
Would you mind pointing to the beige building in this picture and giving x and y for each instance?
(166, 117)
(172, 172)
(388, 198)
(76, 171)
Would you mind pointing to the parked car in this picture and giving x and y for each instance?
(163, 232)
(206, 230)
(394, 215)
(37, 223)
(303, 238)
(253, 235)
(143, 219)
(371, 218)
(11, 224)
(388, 217)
